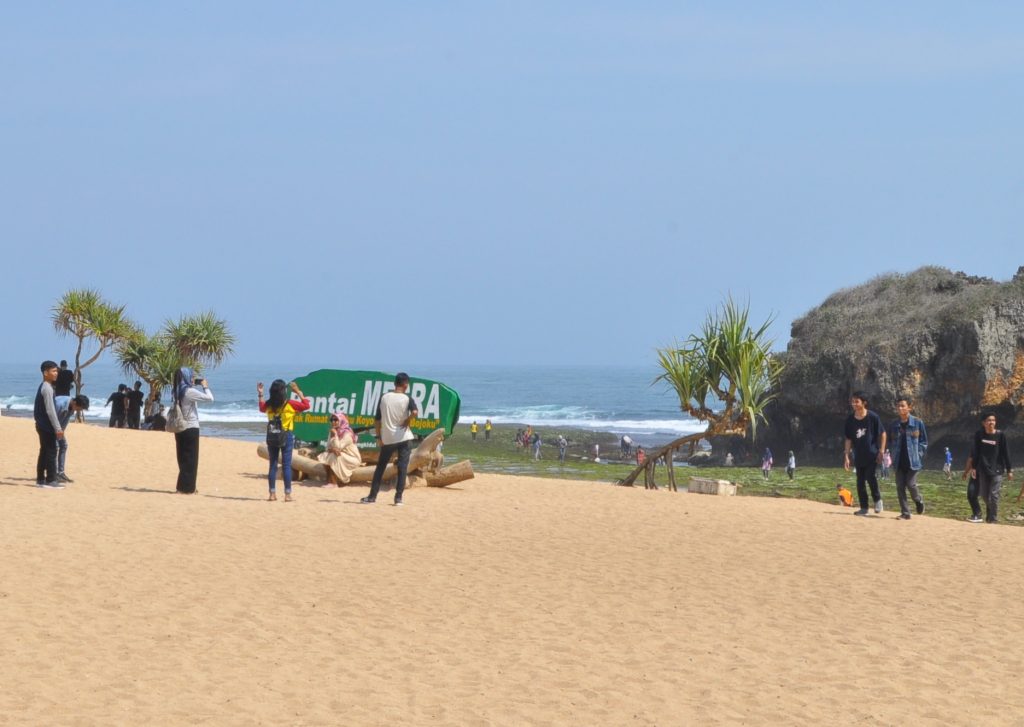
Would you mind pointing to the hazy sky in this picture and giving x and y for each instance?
(496, 182)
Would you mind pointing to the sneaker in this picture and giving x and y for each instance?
(975, 519)
(920, 507)
(862, 511)
(398, 503)
(62, 476)
(878, 506)
(39, 483)
(367, 501)
(904, 516)
(52, 485)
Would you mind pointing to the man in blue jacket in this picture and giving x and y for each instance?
(908, 441)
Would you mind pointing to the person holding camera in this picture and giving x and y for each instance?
(188, 390)
(281, 411)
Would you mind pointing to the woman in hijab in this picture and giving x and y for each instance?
(188, 390)
(342, 455)
(279, 405)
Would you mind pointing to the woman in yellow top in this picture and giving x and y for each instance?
(279, 405)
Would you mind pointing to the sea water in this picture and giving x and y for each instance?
(617, 399)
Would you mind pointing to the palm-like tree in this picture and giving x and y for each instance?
(193, 341)
(202, 339)
(726, 375)
(85, 315)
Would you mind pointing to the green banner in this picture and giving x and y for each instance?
(356, 394)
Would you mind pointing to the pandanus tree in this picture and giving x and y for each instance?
(194, 341)
(725, 376)
(86, 316)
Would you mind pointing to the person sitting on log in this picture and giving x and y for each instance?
(342, 455)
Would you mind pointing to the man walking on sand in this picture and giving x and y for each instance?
(48, 428)
(908, 440)
(988, 462)
(866, 439)
(395, 411)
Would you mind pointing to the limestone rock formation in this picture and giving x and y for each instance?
(952, 342)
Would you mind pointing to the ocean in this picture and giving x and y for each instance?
(617, 399)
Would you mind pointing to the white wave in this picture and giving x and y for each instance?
(624, 426)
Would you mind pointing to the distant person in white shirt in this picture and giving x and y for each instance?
(391, 426)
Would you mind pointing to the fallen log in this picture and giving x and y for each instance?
(420, 458)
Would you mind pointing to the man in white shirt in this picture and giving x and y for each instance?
(395, 411)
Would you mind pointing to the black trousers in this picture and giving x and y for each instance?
(972, 497)
(401, 464)
(187, 445)
(46, 464)
(133, 418)
(866, 476)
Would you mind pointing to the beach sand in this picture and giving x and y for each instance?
(500, 601)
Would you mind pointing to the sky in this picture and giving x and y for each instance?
(501, 182)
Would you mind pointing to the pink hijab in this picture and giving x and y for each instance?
(342, 426)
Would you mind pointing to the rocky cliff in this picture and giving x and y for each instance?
(952, 342)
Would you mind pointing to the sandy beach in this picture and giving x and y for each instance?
(500, 601)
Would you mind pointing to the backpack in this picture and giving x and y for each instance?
(276, 435)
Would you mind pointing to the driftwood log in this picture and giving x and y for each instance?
(424, 461)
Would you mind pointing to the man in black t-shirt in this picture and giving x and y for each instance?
(118, 406)
(134, 399)
(65, 379)
(866, 439)
(988, 462)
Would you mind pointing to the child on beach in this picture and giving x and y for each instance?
(281, 406)
(845, 496)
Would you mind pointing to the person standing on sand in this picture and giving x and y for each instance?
(280, 406)
(395, 411)
(66, 406)
(988, 462)
(65, 380)
(487, 429)
(48, 428)
(133, 405)
(118, 406)
(908, 438)
(187, 391)
(866, 439)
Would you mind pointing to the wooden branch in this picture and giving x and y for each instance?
(631, 477)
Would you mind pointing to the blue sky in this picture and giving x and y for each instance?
(506, 182)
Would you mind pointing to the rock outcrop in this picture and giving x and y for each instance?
(952, 342)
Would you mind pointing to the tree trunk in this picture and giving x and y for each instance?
(631, 477)
(420, 457)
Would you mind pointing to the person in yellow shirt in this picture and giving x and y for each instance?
(473, 429)
(845, 496)
(487, 429)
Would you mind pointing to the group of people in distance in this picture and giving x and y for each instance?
(126, 406)
(906, 438)
(392, 430)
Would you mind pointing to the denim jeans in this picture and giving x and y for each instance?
(906, 480)
(62, 453)
(285, 453)
(403, 451)
(989, 487)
